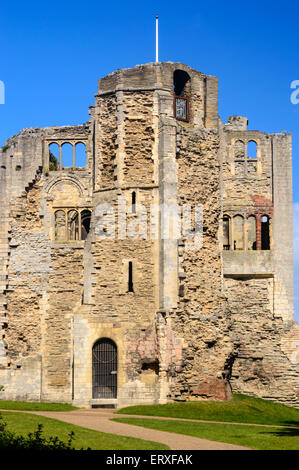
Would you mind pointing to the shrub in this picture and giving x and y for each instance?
(33, 441)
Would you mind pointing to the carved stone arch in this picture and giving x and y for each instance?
(65, 191)
(65, 178)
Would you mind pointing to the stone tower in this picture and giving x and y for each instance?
(106, 297)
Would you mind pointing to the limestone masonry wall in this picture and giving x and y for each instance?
(82, 268)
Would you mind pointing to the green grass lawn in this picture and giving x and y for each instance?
(254, 437)
(23, 423)
(35, 406)
(241, 409)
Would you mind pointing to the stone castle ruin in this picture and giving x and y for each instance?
(91, 314)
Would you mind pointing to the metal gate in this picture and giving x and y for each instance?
(104, 369)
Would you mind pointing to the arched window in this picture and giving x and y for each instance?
(73, 225)
(238, 231)
(226, 232)
(60, 232)
(67, 155)
(181, 83)
(265, 232)
(251, 230)
(53, 157)
(104, 369)
(239, 150)
(182, 91)
(80, 155)
(85, 223)
(252, 149)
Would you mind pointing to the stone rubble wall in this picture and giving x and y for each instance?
(265, 363)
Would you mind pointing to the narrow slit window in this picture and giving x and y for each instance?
(130, 277)
(133, 202)
(226, 235)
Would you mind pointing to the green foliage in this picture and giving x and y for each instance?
(241, 409)
(53, 166)
(1, 388)
(5, 147)
(33, 441)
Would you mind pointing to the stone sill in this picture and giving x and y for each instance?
(70, 244)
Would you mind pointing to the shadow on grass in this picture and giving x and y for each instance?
(288, 432)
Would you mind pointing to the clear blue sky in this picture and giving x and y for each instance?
(52, 54)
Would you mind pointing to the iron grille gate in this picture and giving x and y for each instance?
(104, 369)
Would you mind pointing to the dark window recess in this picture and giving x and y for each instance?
(226, 245)
(180, 81)
(265, 235)
(133, 202)
(85, 223)
(151, 367)
(130, 277)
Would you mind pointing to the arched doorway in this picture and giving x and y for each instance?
(104, 369)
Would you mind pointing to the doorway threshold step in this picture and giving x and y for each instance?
(103, 403)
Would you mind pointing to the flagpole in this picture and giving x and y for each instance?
(157, 41)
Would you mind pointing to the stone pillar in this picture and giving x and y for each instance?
(258, 232)
(74, 155)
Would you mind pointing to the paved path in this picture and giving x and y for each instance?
(99, 420)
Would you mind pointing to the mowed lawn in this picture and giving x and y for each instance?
(35, 406)
(25, 423)
(253, 437)
(241, 409)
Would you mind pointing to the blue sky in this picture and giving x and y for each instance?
(52, 54)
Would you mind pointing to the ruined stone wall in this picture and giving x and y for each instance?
(28, 267)
(139, 138)
(64, 294)
(201, 318)
(261, 364)
(126, 317)
(106, 141)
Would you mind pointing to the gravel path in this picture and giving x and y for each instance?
(99, 420)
